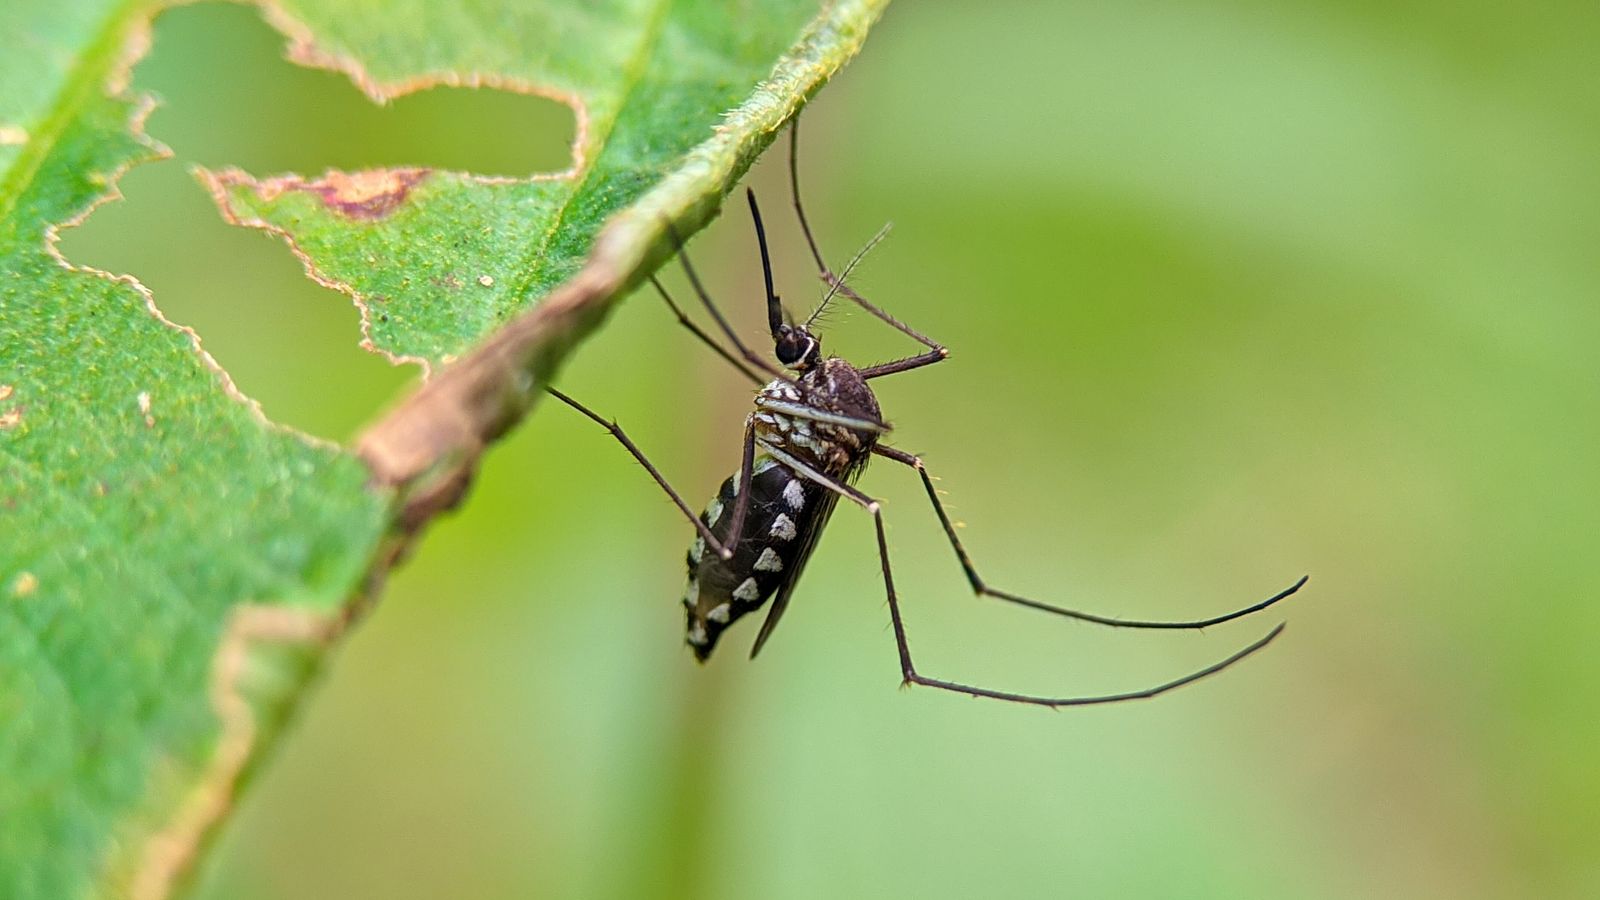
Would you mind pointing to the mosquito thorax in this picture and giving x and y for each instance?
(832, 386)
(785, 510)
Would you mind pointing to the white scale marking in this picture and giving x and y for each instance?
(747, 591)
(794, 494)
(714, 511)
(698, 548)
(697, 634)
(769, 561)
(691, 594)
(804, 440)
(720, 614)
(783, 528)
(780, 389)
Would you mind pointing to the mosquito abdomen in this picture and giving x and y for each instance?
(781, 511)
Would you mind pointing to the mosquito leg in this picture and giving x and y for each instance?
(802, 411)
(910, 675)
(805, 471)
(936, 351)
(698, 332)
(905, 365)
(725, 551)
(741, 501)
(746, 353)
(983, 589)
(794, 191)
(896, 324)
(908, 670)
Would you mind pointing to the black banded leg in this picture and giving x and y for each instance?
(983, 589)
(723, 550)
(698, 332)
(936, 351)
(908, 669)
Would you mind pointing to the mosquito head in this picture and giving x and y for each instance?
(796, 347)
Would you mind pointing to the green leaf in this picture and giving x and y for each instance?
(438, 259)
(151, 520)
(174, 568)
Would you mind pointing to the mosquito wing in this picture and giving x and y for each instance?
(808, 529)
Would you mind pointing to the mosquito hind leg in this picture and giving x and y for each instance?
(982, 588)
(908, 669)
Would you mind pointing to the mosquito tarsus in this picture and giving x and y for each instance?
(815, 426)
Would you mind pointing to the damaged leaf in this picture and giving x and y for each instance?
(173, 567)
(148, 518)
(453, 255)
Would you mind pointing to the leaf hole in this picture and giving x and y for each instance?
(229, 98)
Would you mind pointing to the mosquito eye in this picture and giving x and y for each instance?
(791, 348)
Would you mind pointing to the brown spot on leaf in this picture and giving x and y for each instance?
(369, 194)
(10, 419)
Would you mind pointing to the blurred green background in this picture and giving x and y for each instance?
(1236, 291)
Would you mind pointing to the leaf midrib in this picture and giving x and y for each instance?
(529, 263)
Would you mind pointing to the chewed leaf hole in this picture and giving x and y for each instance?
(230, 99)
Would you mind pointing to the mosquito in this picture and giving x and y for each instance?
(815, 426)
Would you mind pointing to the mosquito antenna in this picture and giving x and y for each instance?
(774, 308)
(838, 283)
